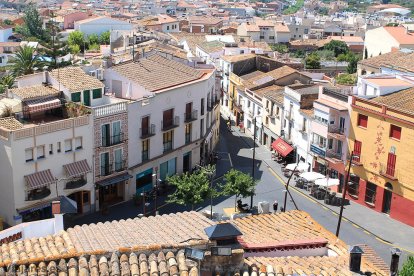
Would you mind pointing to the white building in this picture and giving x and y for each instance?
(298, 113)
(5, 33)
(264, 30)
(173, 117)
(376, 85)
(98, 25)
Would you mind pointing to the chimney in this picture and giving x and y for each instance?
(355, 255)
(395, 259)
(56, 207)
(44, 77)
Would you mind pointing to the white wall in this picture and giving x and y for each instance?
(379, 41)
(101, 25)
(5, 34)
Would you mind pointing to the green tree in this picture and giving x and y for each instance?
(105, 38)
(346, 79)
(326, 54)
(7, 22)
(281, 48)
(74, 49)
(6, 81)
(238, 184)
(352, 65)
(94, 47)
(76, 38)
(313, 61)
(54, 48)
(407, 267)
(25, 61)
(338, 47)
(33, 22)
(191, 189)
(93, 39)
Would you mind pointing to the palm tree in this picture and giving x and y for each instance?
(6, 81)
(26, 61)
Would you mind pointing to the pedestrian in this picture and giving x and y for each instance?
(275, 205)
(229, 125)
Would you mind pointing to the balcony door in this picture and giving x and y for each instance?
(106, 135)
(188, 110)
(386, 203)
(105, 170)
(145, 125)
(392, 159)
(341, 124)
(167, 117)
(116, 132)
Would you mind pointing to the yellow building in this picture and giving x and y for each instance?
(234, 106)
(382, 139)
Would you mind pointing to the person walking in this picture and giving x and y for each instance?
(275, 205)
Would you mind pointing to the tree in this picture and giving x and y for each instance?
(6, 81)
(346, 79)
(74, 49)
(281, 48)
(326, 54)
(76, 38)
(33, 22)
(407, 267)
(352, 65)
(238, 184)
(25, 61)
(338, 47)
(7, 22)
(54, 48)
(105, 38)
(191, 189)
(313, 61)
(93, 39)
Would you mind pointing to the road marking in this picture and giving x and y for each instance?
(231, 162)
(366, 232)
(356, 226)
(324, 207)
(345, 219)
(335, 214)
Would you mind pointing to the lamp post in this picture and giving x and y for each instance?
(343, 195)
(209, 170)
(287, 189)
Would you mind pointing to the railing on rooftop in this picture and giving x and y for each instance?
(109, 109)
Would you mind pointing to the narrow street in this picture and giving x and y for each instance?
(235, 150)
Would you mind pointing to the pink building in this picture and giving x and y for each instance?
(69, 19)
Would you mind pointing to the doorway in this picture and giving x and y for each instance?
(187, 162)
(386, 203)
(87, 97)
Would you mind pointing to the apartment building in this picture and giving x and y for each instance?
(264, 30)
(46, 150)
(272, 102)
(380, 138)
(330, 129)
(172, 117)
(298, 113)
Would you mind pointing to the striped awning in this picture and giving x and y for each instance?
(77, 168)
(39, 179)
(42, 104)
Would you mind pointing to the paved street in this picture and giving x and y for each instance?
(361, 225)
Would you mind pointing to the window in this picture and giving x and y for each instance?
(29, 154)
(267, 120)
(86, 198)
(271, 37)
(68, 145)
(353, 185)
(201, 128)
(116, 133)
(370, 192)
(357, 151)
(76, 97)
(59, 147)
(188, 128)
(78, 143)
(330, 143)
(167, 140)
(50, 149)
(362, 120)
(305, 122)
(392, 159)
(395, 132)
(202, 107)
(145, 150)
(40, 152)
(339, 147)
(118, 160)
(105, 169)
(97, 93)
(106, 134)
(168, 28)
(167, 118)
(262, 37)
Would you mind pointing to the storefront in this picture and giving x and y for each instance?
(83, 201)
(283, 151)
(168, 168)
(187, 161)
(143, 181)
(112, 190)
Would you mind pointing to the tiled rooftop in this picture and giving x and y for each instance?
(403, 61)
(402, 100)
(116, 264)
(236, 58)
(149, 233)
(155, 73)
(275, 96)
(75, 79)
(10, 123)
(35, 91)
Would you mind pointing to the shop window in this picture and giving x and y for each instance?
(76, 97)
(97, 93)
(353, 185)
(362, 120)
(40, 152)
(29, 154)
(370, 192)
(395, 132)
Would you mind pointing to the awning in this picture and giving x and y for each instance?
(39, 179)
(114, 180)
(325, 182)
(42, 104)
(282, 147)
(77, 168)
(67, 206)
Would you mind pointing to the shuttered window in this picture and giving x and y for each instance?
(362, 120)
(97, 93)
(357, 151)
(76, 97)
(392, 159)
(395, 132)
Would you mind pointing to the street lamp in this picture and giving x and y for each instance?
(344, 193)
(209, 170)
(254, 157)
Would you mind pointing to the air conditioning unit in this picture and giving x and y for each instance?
(92, 73)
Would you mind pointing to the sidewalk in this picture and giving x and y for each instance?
(378, 224)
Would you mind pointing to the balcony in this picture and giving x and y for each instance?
(106, 169)
(171, 123)
(210, 105)
(289, 116)
(333, 154)
(147, 132)
(388, 171)
(112, 140)
(357, 159)
(76, 183)
(38, 194)
(191, 116)
(120, 166)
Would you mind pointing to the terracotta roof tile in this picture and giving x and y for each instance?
(400, 34)
(156, 72)
(35, 91)
(75, 79)
(10, 123)
(402, 100)
(403, 61)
